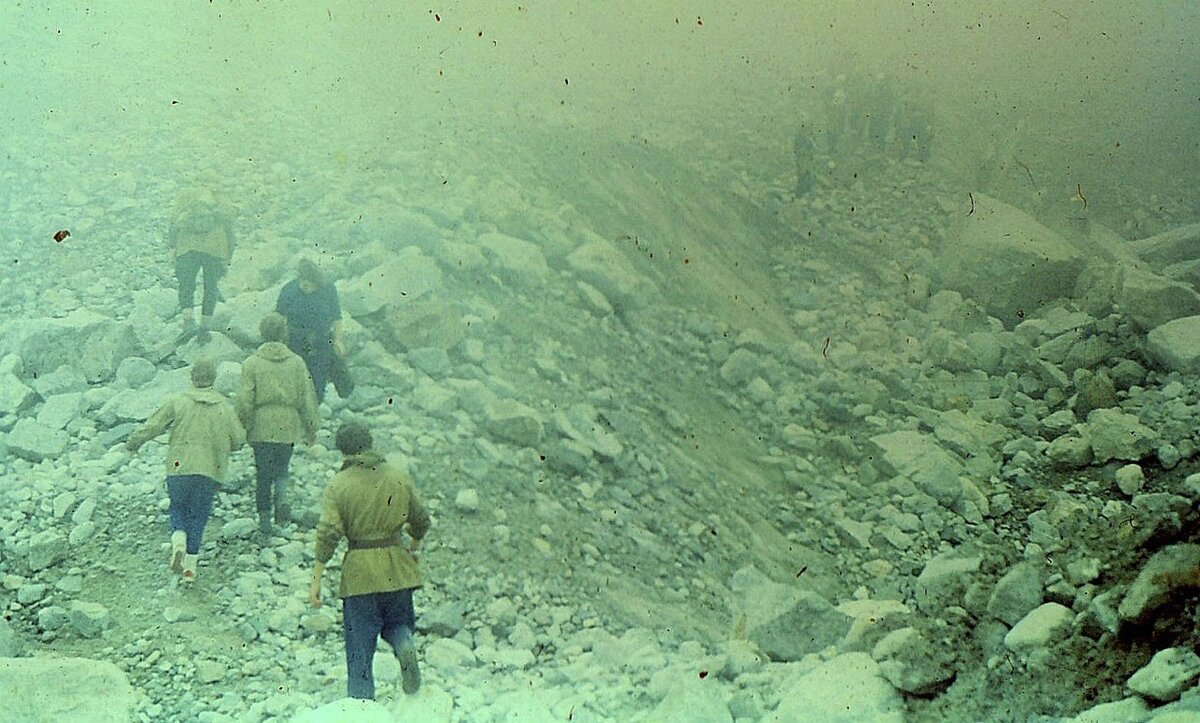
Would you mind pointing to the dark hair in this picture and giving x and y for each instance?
(273, 327)
(307, 270)
(353, 438)
(204, 373)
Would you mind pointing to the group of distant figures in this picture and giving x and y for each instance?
(860, 116)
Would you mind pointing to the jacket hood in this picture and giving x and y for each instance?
(206, 395)
(275, 351)
(370, 458)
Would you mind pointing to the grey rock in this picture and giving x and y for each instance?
(62, 380)
(239, 528)
(46, 548)
(741, 366)
(35, 442)
(514, 259)
(1069, 452)
(1130, 479)
(84, 511)
(432, 360)
(89, 619)
(135, 371)
(910, 663)
(1175, 345)
(15, 397)
(1057, 424)
(408, 276)
(602, 265)
(1128, 710)
(11, 645)
(1117, 435)
(1172, 568)
(1150, 300)
(1007, 261)
(34, 690)
(920, 458)
(1167, 675)
(944, 581)
(52, 617)
(862, 694)
(82, 533)
(513, 422)
(786, 623)
(1043, 626)
(1016, 593)
(31, 592)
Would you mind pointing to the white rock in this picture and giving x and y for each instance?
(1130, 479)
(467, 500)
(35, 690)
(1041, 627)
(846, 689)
(1167, 675)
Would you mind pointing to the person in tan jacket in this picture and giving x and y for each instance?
(204, 430)
(370, 502)
(200, 232)
(278, 407)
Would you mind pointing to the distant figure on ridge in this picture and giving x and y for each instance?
(369, 502)
(201, 236)
(204, 430)
(310, 304)
(277, 406)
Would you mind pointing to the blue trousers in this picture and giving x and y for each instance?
(365, 619)
(271, 461)
(191, 504)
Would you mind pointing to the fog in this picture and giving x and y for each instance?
(1088, 90)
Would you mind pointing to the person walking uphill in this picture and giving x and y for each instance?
(369, 502)
(310, 304)
(204, 430)
(201, 236)
(278, 408)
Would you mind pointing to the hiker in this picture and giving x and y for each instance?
(277, 406)
(310, 304)
(201, 236)
(204, 430)
(370, 502)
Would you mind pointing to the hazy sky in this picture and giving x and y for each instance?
(1098, 72)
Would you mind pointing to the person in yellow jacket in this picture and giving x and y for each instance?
(200, 232)
(370, 502)
(278, 407)
(204, 430)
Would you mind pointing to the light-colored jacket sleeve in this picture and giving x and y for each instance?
(244, 404)
(418, 516)
(154, 426)
(331, 529)
(309, 416)
(237, 434)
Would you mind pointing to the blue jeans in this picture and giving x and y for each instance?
(191, 504)
(365, 619)
(271, 461)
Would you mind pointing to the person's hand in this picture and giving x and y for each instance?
(314, 594)
(339, 348)
(412, 549)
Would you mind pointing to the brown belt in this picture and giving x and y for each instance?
(374, 544)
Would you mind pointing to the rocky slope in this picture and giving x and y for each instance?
(695, 450)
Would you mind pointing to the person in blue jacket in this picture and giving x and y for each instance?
(314, 319)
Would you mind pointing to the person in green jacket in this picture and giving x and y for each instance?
(200, 233)
(370, 502)
(204, 430)
(278, 407)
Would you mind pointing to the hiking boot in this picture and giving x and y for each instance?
(410, 670)
(189, 568)
(178, 550)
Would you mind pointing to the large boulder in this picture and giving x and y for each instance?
(33, 689)
(602, 265)
(785, 622)
(1008, 262)
(35, 441)
(921, 459)
(1150, 300)
(409, 275)
(1114, 434)
(1175, 345)
(90, 342)
(515, 259)
(1171, 569)
(845, 689)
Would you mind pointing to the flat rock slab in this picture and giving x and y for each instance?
(33, 689)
